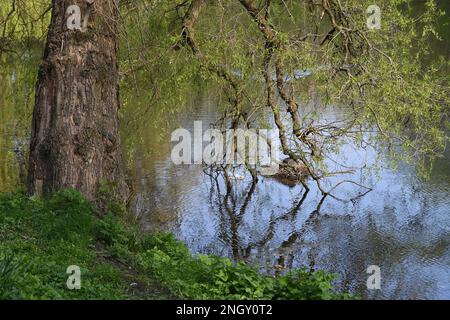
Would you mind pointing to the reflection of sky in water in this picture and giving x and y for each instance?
(402, 225)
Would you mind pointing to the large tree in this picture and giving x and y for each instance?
(75, 141)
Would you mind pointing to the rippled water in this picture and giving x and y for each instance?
(403, 225)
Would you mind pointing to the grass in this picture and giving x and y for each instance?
(40, 238)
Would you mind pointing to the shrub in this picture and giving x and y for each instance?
(211, 277)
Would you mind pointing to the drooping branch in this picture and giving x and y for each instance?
(221, 71)
(274, 47)
(188, 35)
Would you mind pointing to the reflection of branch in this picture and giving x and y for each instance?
(231, 216)
(227, 203)
(355, 183)
(294, 237)
(291, 214)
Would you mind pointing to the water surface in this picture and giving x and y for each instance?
(403, 225)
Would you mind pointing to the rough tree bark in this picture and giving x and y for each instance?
(75, 141)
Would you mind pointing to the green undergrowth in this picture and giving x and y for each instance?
(40, 238)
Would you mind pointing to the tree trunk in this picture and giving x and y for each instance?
(75, 140)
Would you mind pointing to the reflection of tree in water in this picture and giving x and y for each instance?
(342, 243)
(232, 212)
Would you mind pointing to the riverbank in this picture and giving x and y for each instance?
(41, 238)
